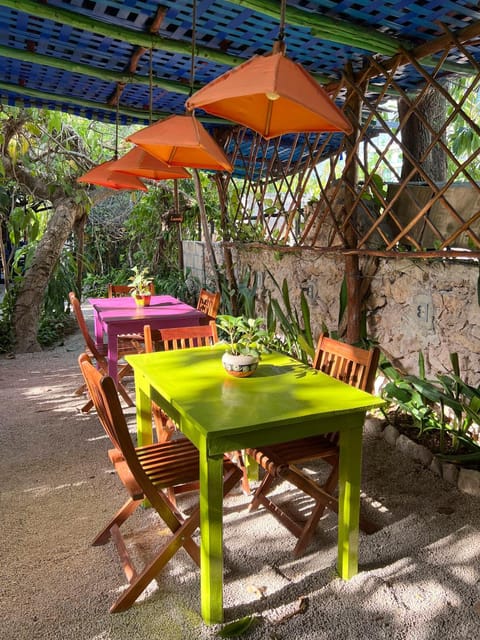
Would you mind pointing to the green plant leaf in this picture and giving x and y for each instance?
(306, 319)
(421, 365)
(286, 297)
(237, 628)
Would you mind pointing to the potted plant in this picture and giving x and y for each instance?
(141, 286)
(246, 340)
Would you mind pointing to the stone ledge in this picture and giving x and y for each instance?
(466, 480)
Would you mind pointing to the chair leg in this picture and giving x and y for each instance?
(164, 427)
(261, 490)
(237, 457)
(181, 538)
(81, 390)
(184, 532)
(118, 519)
(87, 406)
(124, 393)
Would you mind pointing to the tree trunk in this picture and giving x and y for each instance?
(416, 137)
(31, 294)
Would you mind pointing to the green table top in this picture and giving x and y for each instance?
(282, 398)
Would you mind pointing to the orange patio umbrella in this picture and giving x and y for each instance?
(105, 176)
(272, 95)
(182, 141)
(140, 163)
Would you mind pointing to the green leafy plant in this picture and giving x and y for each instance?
(140, 282)
(448, 406)
(296, 330)
(245, 336)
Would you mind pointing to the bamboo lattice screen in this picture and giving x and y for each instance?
(371, 194)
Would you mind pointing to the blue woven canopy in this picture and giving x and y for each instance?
(76, 55)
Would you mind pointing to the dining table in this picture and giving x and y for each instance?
(284, 400)
(114, 317)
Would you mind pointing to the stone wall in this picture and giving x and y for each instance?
(413, 305)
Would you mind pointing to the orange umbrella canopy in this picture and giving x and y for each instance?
(271, 95)
(182, 141)
(105, 176)
(140, 163)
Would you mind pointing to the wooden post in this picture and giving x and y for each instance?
(350, 176)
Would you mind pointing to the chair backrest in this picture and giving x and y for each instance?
(209, 302)
(353, 365)
(93, 377)
(120, 290)
(89, 341)
(180, 337)
(107, 403)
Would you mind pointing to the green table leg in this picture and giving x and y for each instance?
(211, 538)
(144, 412)
(349, 501)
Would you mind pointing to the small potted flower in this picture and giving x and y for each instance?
(246, 339)
(141, 285)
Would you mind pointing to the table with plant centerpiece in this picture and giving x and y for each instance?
(283, 400)
(119, 316)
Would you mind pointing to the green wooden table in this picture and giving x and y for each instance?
(283, 400)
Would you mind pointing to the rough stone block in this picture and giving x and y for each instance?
(450, 472)
(415, 451)
(469, 481)
(436, 466)
(391, 433)
(374, 427)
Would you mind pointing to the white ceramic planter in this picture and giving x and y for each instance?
(240, 366)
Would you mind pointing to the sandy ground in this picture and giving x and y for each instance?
(419, 575)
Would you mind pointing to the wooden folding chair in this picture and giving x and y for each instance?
(145, 472)
(119, 290)
(170, 339)
(354, 366)
(209, 303)
(99, 353)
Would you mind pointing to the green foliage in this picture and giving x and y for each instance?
(462, 139)
(6, 329)
(61, 282)
(236, 628)
(176, 283)
(54, 327)
(447, 405)
(245, 336)
(296, 331)
(140, 281)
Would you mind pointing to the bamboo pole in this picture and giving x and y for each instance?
(331, 29)
(89, 70)
(350, 176)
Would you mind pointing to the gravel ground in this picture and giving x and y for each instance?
(419, 575)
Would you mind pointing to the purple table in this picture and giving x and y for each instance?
(117, 316)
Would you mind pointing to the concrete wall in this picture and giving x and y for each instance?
(194, 259)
